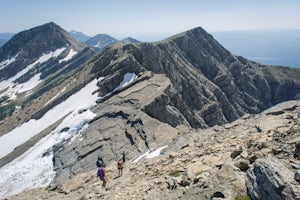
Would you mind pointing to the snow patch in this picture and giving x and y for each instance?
(7, 62)
(24, 87)
(128, 78)
(150, 154)
(42, 59)
(69, 56)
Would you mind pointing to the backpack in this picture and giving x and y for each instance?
(99, 162)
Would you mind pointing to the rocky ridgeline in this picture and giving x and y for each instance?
(256, 155)
(187, 80)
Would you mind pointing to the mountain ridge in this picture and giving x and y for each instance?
(41, 57)
(206, 86)
(151, 94)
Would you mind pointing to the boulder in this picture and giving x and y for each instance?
(242, 164)
(236, 153)
(297, 176)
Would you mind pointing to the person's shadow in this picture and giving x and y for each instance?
(116, 177)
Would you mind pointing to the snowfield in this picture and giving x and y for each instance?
(13, 89)
(34, 168)
(81, 100)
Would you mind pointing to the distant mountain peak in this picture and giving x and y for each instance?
(37, 45)
(81, 37)
(101, 41)
(129, 40)
(47, 37)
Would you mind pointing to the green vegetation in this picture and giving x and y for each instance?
(82, 198)
(7, 110)
(242, 197)
(175, 173)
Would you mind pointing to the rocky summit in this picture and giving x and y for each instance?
(192, 99)
(256, 155)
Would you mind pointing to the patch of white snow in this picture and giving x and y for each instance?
(69, 56)
(128, 78)
(156, 153)
(150, 154)
(7, 62)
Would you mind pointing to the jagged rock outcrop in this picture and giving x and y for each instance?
(269, 179)
(215, 85)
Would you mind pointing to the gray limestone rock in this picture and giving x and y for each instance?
(297, 176)
(269, 179)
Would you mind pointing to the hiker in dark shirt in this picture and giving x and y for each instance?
(102, 175)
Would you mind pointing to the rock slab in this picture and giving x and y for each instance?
(269, 179)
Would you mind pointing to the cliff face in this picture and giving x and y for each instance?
(216, 86)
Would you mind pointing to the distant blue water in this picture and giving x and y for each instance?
(271, 48)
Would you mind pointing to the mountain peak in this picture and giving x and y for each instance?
(100, 41)
(52, 24)
(197, 32)
(129, 40)
(47, 37)
(79, 36)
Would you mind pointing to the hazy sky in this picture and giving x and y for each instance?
(149, 18)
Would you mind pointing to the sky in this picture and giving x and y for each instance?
(149, 18)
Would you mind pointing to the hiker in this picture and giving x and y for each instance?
(123, 157)
(120, 166)
(102, 175)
